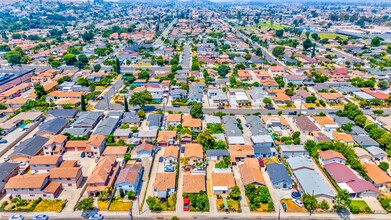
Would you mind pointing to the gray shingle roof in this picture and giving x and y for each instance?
(130, 117)
(53, 126)
(313, 183)
(107, 126)
(155, 120)
(62, 113)
(31, 146)
(6, 168)
(278, 173)
(365, 141)
(217, 152)
(87, 119)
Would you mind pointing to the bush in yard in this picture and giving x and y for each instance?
(384, 165)
(121, 193)
(131, 195)
(85, 204)
(324, 205)
(154, 204)
(235, 193)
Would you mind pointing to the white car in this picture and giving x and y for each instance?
(41, 217)
(298, 202)
(16, 217)
(96, 217)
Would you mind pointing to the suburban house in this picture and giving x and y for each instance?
(102, 176)
(147, 135)
(173, 120)
(279, 176)
(195, 124)
(377, 153)
(222, 181)
(122, 134)
(171, 154)
(55, 145)
(251, 173)
(305, 125)
(32, 187)
(115, 151)
(330, 156)
(347, 179)
(154, 121)
(309, 180)
(194, 153)
(378, 177)
(106, 126)
(365, 141)
(93, 147)
(43, 164)
(239, 152)
(166, 138)
(276, 70)
(262, 151)
(363, 155)
(52, 127)
(326, 123)
(131, 118)
(293, 150)
(144, 150)
(164, 185)
(68, 177)
(193, 183)
(129, 179)
(216, 154)
(7, 170)
(28, 148)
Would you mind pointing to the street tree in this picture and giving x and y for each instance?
(196, 110)
(310, 202)
(342, 200)
(126, 107)
(82, 103)
(223, 70)
(39, 91)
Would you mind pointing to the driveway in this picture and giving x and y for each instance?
(179, 197)
(239, 183)
(150, 181)
(246, 131)
(374, 205)
(211, 197)
(275, 194)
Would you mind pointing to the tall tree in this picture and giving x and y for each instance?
(126, 107)
(141, 98)
(83, 103)
(117, 66)
(342, 200)
(196, 110)
(39, 91)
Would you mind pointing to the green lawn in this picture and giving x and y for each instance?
(117, 205)
(359, 206)
(267, 25)
(330, 36)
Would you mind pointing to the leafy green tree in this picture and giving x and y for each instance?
(360, 120)
(235, 193)
(267, 101)
(376, 41)
(141, 98)
(154, 204)
(310, 202)
(4, 48)
(39, 91)
(206, 139)
(315, 36)
(121, 193)
(55, 63)
(127, 157)
(279, 33)
(278, 51)
(383, 85)
(85, 204)
(384, 165)
(389, 49)
(141, 113)
(307, 44)
(117, 66)
(97, 67)
(347, 127)
(223, 70)
(131, 195)
(196, 110)
(144, 74)
(342, 200)
(70, 59)
(83, 103)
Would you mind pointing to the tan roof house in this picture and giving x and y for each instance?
(164, 185)
(330, 156)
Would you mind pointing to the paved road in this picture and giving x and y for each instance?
(166, 31)
(265, 52)
(186, 56)
(105, 104)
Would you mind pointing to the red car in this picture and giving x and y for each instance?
(186, 204)
(261, 163)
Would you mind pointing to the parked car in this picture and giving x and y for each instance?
(292, 113)
(6, 158)
(16, 217)
(97, 159)
(3, 141)
(186, 204)
(308, 157)
(160, 159)
(167, 163)
(176, 106)
(41, 217)
(271, 108)
(296, 194)
(83, 154)
(311, 108)
(182, 149)
(96, 217)
(298, 202)
(169, 169)
(220, 107)
(283, 206)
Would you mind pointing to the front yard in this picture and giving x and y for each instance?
(119, 205)
(50, 206)
(359, 206)
(292, 207)
(102, 205)
(232, 205)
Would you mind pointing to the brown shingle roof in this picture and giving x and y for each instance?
(193, 183)
(170, 151)
(64, 172)
(250, 172)
(223, 179)
(164, 181)
(377, 175)
(26, 181)
(330, 154)
(40, 160)
(194, 150)
(174, 118)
